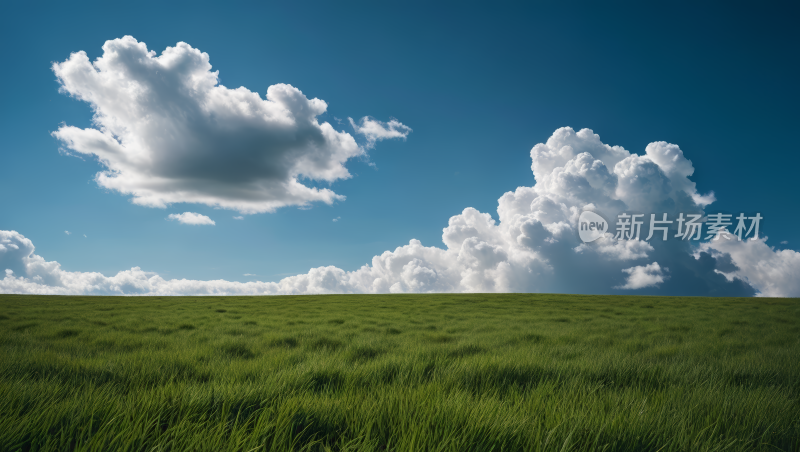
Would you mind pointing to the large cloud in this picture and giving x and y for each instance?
(774, 273)
(534, 247)
(168, 132)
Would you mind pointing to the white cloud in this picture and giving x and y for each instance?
(374, 130)
(336, 219)
(191, 218)
(785, 242)
(167, 132)
(250, 274)
(84, 235)
(774, 273)
(534, 247)
(623, 249)
(67, 232)
(640, 277)
(238, 217)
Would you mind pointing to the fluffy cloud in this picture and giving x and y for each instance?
(26, 272)
(167, 132)
(374, 130)
(643, 276)
(774, 273)
(191, 218)
(534, 247)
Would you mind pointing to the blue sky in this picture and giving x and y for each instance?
(479, 84)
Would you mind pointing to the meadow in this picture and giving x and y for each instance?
(449, 372)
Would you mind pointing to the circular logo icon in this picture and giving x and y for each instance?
(591, 226)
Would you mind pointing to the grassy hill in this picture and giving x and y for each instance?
(450, 372)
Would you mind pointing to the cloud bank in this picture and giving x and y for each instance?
(533, 248)
(168, 132)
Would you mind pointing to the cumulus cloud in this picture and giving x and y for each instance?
(238, 217)
(532, 246)
(26, 272)
(619, 249)
(643, 276)
(336, 219)
(774, 273)
(191, 218)
(785, 242)
(67, 232)
(374, 130)
(168, 132)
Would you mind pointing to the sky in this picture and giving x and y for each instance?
(319, 147)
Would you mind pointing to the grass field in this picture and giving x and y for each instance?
(399, 372)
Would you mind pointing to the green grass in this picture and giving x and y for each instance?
(399, 372)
